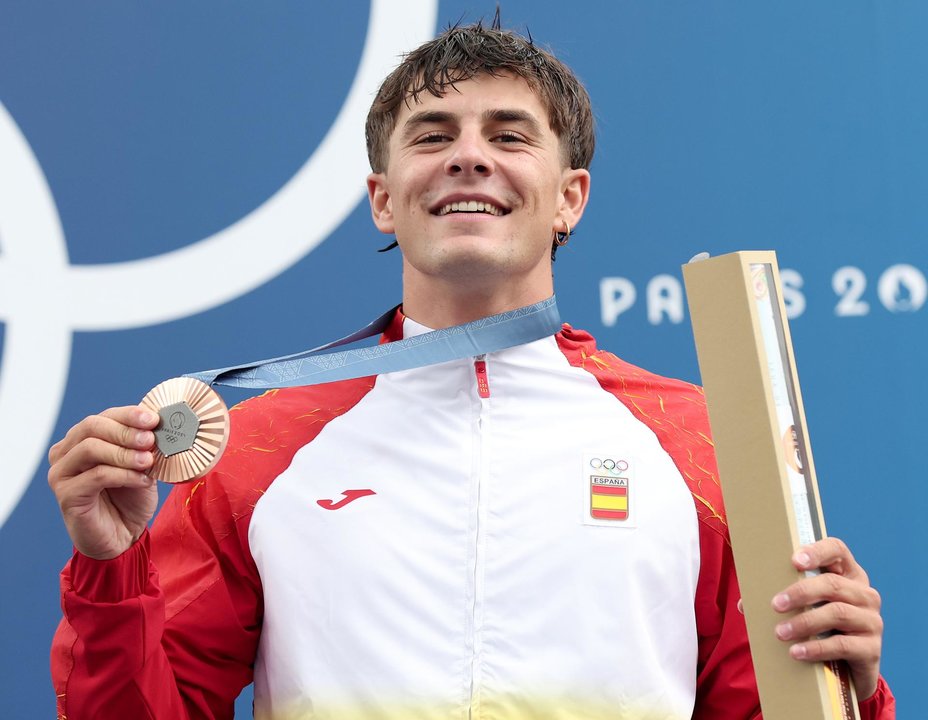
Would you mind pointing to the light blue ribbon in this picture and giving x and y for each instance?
(312, 367)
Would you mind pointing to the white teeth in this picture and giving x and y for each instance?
(471, 206)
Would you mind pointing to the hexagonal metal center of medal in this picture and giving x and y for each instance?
(178, 429)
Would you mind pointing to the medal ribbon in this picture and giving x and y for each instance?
(312, 367)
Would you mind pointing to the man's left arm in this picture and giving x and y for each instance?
(840, 604)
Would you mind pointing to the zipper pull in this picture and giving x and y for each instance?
(483, 382)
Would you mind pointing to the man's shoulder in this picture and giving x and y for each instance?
(285, 399)
(282, 420)
(302, 410)
(674, 410)
(627, 380)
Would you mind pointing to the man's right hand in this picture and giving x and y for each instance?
(98, 476)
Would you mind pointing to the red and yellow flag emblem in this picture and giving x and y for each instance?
(609, 498)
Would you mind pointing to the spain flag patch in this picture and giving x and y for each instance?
(606, 488)
(608, 498)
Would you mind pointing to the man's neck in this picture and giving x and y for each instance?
(441, 307)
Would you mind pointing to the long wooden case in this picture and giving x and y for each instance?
(765, 463)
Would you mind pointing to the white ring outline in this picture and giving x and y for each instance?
(39, 320)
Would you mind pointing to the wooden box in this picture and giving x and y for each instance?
(765, 466)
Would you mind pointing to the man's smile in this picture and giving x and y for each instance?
(478, 205)
(472, 206)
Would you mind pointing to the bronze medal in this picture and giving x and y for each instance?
(193, 431)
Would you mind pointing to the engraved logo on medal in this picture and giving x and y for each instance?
(178, 429)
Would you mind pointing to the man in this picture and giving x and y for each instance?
(419, 544)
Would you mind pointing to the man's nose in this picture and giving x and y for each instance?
(470, 156)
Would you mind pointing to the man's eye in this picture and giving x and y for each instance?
(433, 137)
(507, 136)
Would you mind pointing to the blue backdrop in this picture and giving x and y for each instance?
(181, 187)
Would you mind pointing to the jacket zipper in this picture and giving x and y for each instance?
(483, 392)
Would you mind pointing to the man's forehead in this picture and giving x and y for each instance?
(483, 93)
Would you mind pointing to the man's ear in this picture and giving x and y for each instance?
(575, 192)
(381, 206)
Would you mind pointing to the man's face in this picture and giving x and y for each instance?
(475, 184)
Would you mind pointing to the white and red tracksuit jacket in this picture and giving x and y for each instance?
(423, 545)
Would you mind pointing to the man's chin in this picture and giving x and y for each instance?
(472, 261)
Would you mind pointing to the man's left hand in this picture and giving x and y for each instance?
(839, 600)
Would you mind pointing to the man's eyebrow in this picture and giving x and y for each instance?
(514, 116)
(501, 115)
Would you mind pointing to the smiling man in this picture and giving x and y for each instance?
(530, 533)
(474, 183)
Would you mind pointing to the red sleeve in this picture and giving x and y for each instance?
(726, 687)
(170, 628)
(725, 683)
(879, 706)
(124, 651)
